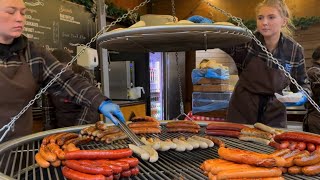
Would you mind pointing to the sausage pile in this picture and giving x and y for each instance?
(224, 129)
(183, 126)
(298, 140)
(51, 153)
(100, 164)
(145, 125)
(103, 133)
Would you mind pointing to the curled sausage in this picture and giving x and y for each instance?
(311, 170)
(41, 161)
(312, 159)
(47, 154)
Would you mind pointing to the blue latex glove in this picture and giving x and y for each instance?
(109, 109)
(299, 103)
(199, 19)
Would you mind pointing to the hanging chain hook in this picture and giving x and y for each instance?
(182, 113)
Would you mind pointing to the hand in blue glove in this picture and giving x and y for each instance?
(199, 19)
(299, 103)
(109, 109)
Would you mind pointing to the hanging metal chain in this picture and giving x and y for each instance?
(270, 57)
(10, 125)
(173, 8)
(178, 68)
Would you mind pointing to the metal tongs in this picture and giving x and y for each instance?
(123, 126)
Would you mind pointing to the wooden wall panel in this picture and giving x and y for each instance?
(240, 8)
(309, 40)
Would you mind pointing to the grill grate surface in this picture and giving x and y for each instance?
(18, 162)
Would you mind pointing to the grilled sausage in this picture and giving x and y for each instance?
(66, 137)
(134, 171)
(292, 145)
(99, 154)
(54, 137)
(113, 137)
(254, 139)
(133, 162)
(298, 137)
(115, 169)
(226, 133)
(87, 130)
(108, 130)
(252, 172)
(208, 141)
(280, 152)
(56, 163)
(56, 150)
(47, 154)
(265, 128)
(41, 161)
(295, 170)
(216, 141)
(311, 147)
(88, 169)
(256, 132)
(139, 151)
(311, 170)
(146, 130)
(301, 146)
(182, 129)
(75, 175)
(249, 157)
(71, 147)
(144, 118)
(152, 153)
(144, 124)
(312, 159)
(182, 124)
(284, 144)
(126, 173)
(225, 126)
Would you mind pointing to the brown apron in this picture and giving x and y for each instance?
(253, 99)
(17, 88)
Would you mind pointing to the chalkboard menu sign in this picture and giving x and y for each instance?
(58, 24)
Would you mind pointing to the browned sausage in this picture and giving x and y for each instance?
(252, 172)
(144, 124)
(88, 168)
(47, 154)
(182, 129)
(226, 133)
(292, 145)
(249, 157)
(113, 137)
(298, 137)
(146, 130)
(274, 144)
(295, 170)
(311, 170)
(144, 118)
(56, 149)
(99, 154)
(71, 147)
(54, 138)
(41, 161)
(133, 162)
(66, 137)
(108, 130)
(301, 146)
(88, 130)
(215, 141)
(56, 163)
(256, 132)
(46, 140)
(312, 159)
(284, 144)
(182, 124)
(280, 152)
(225, 126)
(75, 175)
(311, 147)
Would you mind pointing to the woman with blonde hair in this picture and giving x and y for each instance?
(253, 99)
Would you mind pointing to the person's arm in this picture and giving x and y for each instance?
(238, 54)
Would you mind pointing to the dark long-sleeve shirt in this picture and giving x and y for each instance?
(288, 52)
(44, 67)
